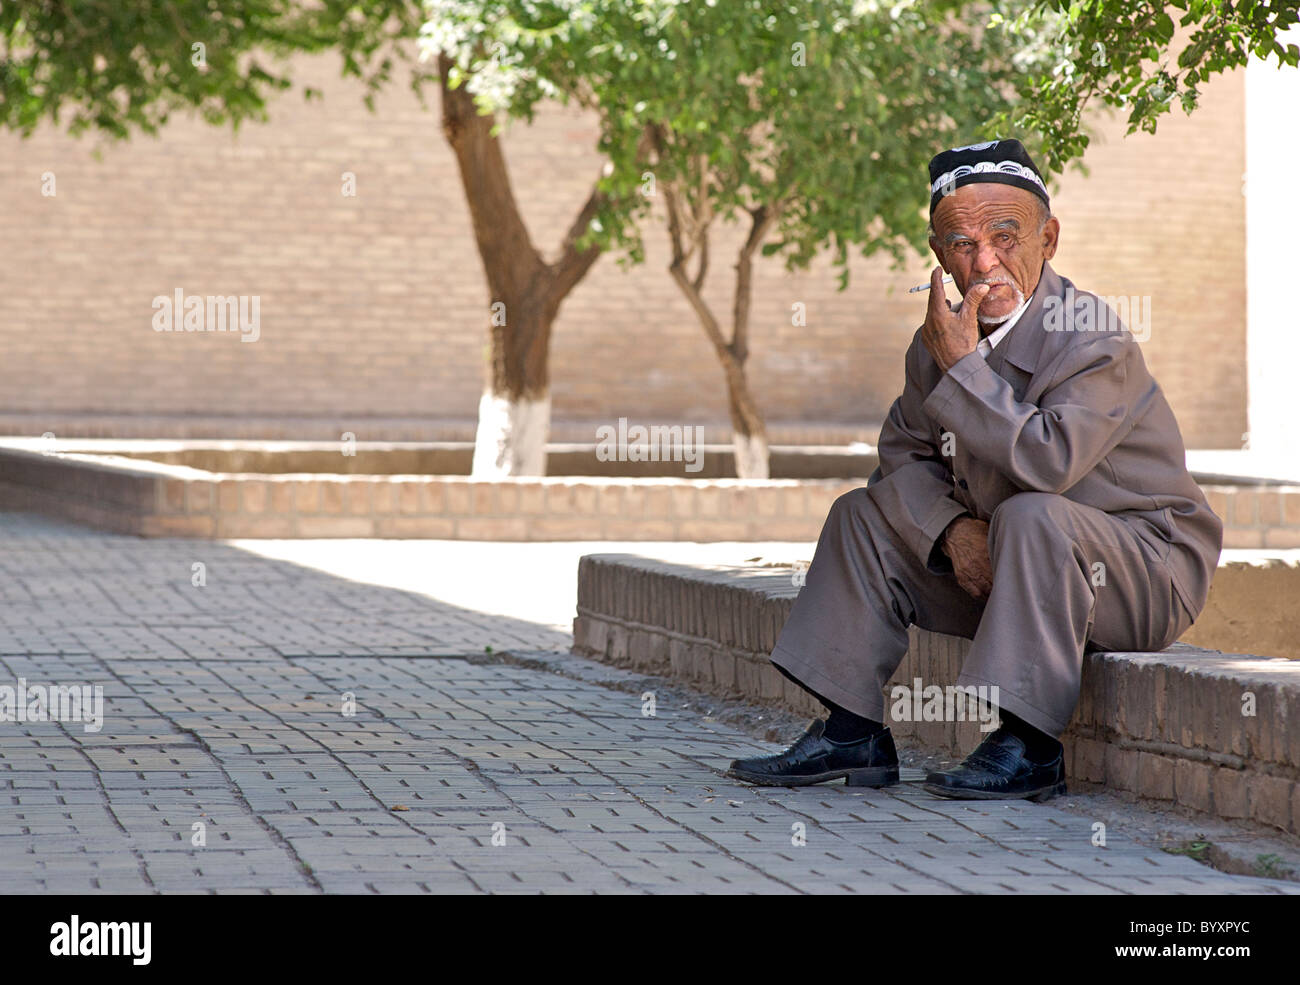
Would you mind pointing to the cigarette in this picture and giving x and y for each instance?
(926, 285)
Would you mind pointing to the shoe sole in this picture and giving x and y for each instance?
(869, 776)
(956, 793)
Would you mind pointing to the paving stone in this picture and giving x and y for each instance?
(226, 705)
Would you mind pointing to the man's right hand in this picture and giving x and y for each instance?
(966, 542)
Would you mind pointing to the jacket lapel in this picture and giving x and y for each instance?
(1024, 343)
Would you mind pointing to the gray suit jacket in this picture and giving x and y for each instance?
(1074, 413)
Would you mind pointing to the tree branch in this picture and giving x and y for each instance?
(761, 219)
(572, 264)
(690, 290)
(703, 267)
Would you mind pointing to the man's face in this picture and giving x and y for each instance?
(987, 233)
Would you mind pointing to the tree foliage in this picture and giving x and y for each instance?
(878, 75)
(822, 111)
(117, 67)
(1140, 57)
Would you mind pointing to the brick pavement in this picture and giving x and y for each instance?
(458, 771)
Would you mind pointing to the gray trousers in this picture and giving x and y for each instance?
(1065, 576)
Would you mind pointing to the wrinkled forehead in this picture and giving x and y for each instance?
(978, 207)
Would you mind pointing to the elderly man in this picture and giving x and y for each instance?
(1032, 496)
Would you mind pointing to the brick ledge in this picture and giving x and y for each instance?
(1165, 726)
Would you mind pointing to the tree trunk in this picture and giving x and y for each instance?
(524, 291)
(511, 436)
(514, 414)
(748, 432)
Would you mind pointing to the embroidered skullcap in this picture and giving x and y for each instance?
(1003, 161)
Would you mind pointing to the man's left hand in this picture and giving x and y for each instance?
(951, 333)
(966, 542)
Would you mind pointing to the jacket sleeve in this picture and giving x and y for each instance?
(914, 490)
(1049, 446)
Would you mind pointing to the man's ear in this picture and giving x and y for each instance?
(1051, 237)
(938, 254)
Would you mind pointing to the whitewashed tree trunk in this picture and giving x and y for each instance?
(511, 437)
(751, 455)
(524, 291)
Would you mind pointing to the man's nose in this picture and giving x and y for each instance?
(986, 259)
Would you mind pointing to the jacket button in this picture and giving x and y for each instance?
(962, 483)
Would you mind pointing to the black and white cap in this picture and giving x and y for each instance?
(1003, 161)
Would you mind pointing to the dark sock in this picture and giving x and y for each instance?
(1039, 746)
(841, 724)
(790, 677)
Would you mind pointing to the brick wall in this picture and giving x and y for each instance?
(148, 498)
(373, 307)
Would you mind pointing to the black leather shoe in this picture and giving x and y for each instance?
(998, 770)
(869, 762)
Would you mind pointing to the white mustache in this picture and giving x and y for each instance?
(1020, 299)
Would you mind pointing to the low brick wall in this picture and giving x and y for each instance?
(456, 458)
(153, 499)
(1167, 726)
(1257, 516)
(161, 499)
